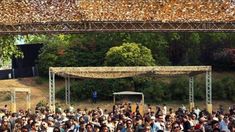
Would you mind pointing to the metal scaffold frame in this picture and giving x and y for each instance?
(209, 91)
(52, 91)
(116, 26)
(67, 90)
(94, 72)
(13, 92)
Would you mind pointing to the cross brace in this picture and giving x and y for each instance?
(116, 26)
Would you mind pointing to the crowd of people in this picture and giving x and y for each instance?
(120, 119)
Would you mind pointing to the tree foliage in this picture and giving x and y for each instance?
(8, 49)
(156, 42)
(129, 54)
(98, 49)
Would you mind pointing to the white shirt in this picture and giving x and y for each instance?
(164, 110)
(160, 126)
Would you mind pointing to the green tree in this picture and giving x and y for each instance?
(48, 57)
(156, 42)
(129, 54)
(48, 39)
(53, 51)
(8, 49)
(212, 43)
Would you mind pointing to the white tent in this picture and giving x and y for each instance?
(128, 93)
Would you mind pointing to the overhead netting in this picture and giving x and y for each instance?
(31, 11)
(122, 72)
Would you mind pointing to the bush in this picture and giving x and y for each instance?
(224, 89)
(155, 91)
(41, 103)
(199, 89)
(179, 89)
(82, 89)
(40, 80)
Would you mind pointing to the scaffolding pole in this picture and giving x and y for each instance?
(28, 100)
(52, 91)
(209, 91)
(67, 90)
(13, 101)
(191, 93)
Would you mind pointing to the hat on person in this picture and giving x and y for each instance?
(153, 118)
(215, 119)
(50, 118)
(97, 125)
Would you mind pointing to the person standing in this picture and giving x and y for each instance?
(164, 111)
(94, 96)
(186, 124)
(160, 123)
(5, 109)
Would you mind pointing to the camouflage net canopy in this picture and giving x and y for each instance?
(13, 12)
(122, 72)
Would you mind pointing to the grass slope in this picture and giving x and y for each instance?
(39, 90)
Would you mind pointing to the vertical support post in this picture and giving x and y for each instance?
(52, 91)
(143, 99)
(53, 78)
(114, 100)
(69, 90)
(13, 100)
(50, 102)
(209, 91)
(66, 90)
(28, 100)
(191, 93)
(143, 102)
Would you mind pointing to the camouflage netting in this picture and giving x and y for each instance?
(121, 72)
(40, 11)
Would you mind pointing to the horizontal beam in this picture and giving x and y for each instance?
(115, 26)
(15, 89)
(131, 69)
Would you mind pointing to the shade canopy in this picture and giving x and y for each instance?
(122, 72)
(42, 11)
(127, 93)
